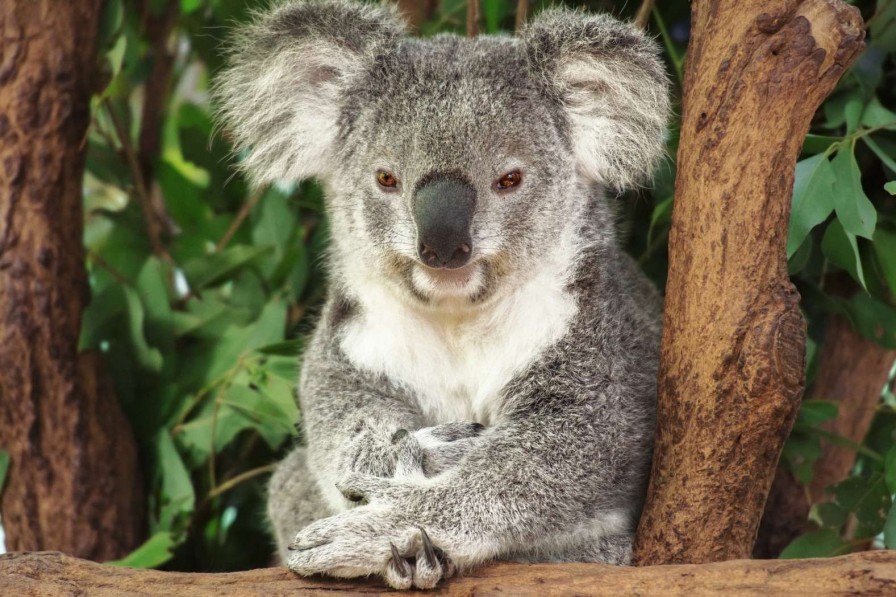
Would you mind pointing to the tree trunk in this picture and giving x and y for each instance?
(869, 573)
(732, 364)
(852, 373)
(73, 482)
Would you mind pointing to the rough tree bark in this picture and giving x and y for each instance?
(733, 340)
(73, 483)
(870, 573)
(852, 372)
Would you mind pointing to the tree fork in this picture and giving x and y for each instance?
(73, 482)
(733, 354)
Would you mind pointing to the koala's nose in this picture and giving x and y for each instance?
(443, 210)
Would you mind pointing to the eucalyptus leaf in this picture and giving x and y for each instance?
(813, 199)
(854, 210)
(4, 468)
(154, 552)
(841, 248)
(823, 543)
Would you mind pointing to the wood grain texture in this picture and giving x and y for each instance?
(869, 573)
(73, 483)
(733, 353)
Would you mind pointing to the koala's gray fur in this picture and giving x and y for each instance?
(504, 409)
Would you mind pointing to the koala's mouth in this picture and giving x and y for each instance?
(461, 281)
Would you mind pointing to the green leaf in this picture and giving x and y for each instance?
(866, 497)
(853, 113)
(881, 152)
(883, 26)
(885, 251)
(815, 412)
(189, 6)
(4, 468)
(147, 356)
(814, 144)
(854, 210)
(177, 497)
(823, 543)
(829, 514)
(890, 469)
(890, 529)
(801, 450)
(813, 199)
(874, 319)
(111, 22)
(207, 270)
(876, 116)
(841, 248)
(154, 552)
(890, 187)
(495, 12)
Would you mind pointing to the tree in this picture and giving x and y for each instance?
(74, 480)
(202, 293)
(756, 73)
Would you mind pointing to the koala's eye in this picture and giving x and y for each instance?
(386, 179)
(508, 181)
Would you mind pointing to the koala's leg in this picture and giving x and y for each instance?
(294, 500)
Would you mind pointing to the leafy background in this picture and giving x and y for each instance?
(203, 290)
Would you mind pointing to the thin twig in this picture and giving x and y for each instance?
(643, 16)
(153, 230)
(241, 216)
(522, 13)
(234, 481)
(473, 13)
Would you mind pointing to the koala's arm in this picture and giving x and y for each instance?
(569, 458)
(350, 418)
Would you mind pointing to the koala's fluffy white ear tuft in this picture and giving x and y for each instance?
(280, 95)
(614, 90)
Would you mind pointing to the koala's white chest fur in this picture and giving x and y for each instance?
(456, 367)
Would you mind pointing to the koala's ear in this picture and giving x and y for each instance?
(280, 95)
(614, 91)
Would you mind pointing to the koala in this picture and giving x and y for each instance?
(481, 383)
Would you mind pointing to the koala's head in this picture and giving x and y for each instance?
(452, 167)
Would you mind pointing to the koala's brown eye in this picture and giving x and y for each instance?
(386, 179)
(509, 180)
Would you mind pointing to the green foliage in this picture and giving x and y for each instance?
(202, 321)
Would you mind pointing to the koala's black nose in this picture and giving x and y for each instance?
(443, 210)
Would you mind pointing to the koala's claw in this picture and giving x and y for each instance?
(428, 550)
(428, 568)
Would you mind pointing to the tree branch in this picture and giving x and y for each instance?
(473, 12)
(51, 574)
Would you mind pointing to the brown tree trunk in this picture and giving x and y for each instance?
(870, 573)
(73, 482)
(852, 373)
(733, 341)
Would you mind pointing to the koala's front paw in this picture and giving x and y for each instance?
(433, 450)
(370, 540)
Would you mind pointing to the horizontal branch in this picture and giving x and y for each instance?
(50, 573)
